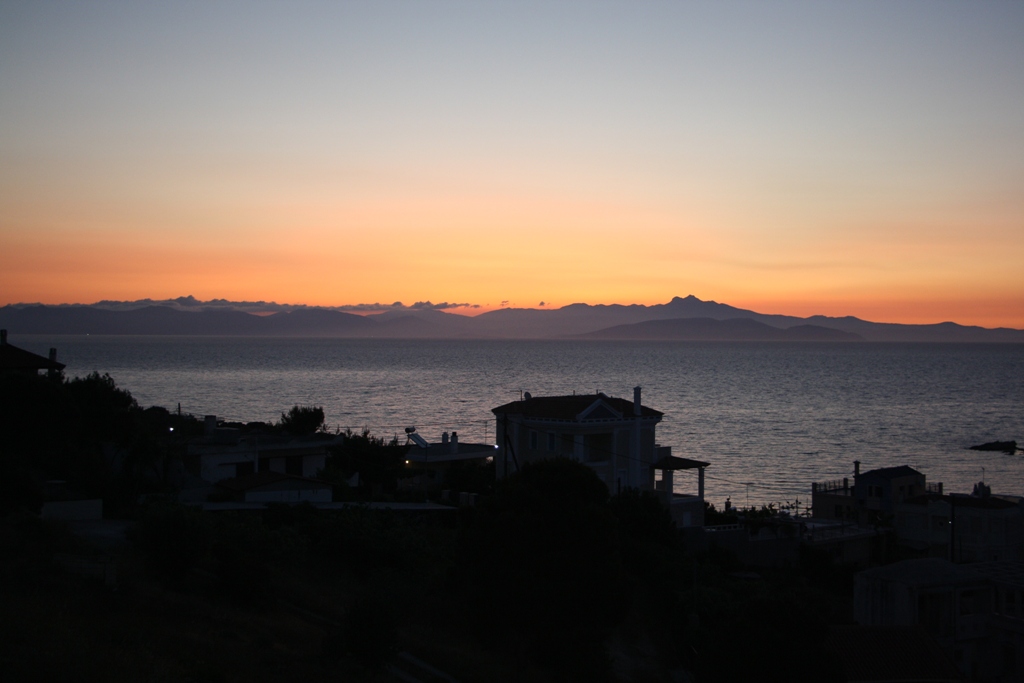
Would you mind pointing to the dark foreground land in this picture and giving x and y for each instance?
(599, 589)
(548, 578)
(296, 594)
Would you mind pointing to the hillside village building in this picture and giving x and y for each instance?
(13, 359)
(873, 496)
(963, 528)
(224, 454)
(612, 436)
(973, 611)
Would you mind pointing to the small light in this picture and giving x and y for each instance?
(406, 462)
(172, 429)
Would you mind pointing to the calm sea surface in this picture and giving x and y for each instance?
(770, 418)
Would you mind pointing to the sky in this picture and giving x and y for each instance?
(789, 157)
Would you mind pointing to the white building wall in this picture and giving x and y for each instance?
(214, 467)
(312, 464)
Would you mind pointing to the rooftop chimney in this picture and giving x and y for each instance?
(636, 400)
(454, 443)
(444, 438)
(856, 468)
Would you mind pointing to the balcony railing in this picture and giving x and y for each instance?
(835, 487)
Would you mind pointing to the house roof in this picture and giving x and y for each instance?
(891, 473)
(671, 462)
(577, 407)
(1003, 572)
(269, 445)
(13, 358)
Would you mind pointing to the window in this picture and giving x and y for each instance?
(533, 440)
(552, 441)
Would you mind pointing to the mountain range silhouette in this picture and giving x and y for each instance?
(682, 318)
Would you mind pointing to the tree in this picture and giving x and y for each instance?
(302, 420)
(378, 462)
(542, 565)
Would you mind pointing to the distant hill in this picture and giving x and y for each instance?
(686, 318)
(709, 329)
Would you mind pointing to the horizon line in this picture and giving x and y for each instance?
(265, 308)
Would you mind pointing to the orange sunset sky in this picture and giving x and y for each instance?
(845, 159)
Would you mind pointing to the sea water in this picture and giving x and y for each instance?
(770, 418)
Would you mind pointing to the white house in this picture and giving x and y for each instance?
(224, 453)
(612, 436)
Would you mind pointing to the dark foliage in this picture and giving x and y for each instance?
(37, 421)
(88, 433)
(379, 464)
(303, 420)
(541, 565)
(106, 413)
(715, 517)
(473, 476)
(650, 546)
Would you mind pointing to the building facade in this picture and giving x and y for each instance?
(973, 611)
(963, 528)
(872, 498)
(613, 436)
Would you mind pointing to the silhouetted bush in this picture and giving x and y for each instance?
(86, 432)
(473, 476)
(541, 567)
(105, 410)
(378, 463)
(302, 420)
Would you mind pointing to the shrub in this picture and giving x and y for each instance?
(302, 420)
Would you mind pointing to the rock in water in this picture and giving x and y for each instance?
(1004, 446)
